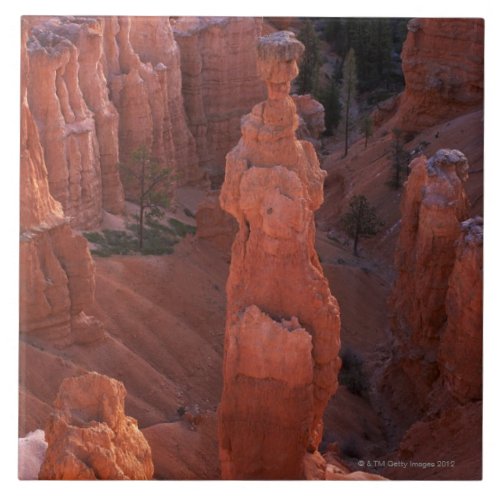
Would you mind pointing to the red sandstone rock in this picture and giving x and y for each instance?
(215, 225)
(90, 437)
(56, 270)
(461, 346)
(282, 329)
(443, 69)
(312, 114)
(433, 206)
(77, 123)
(436, 298)
(143, 72)
(219, 80)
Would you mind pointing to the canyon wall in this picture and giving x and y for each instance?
(90, 437)
(77, 124)
(219, 81)
(142, 64)
(443, 61)
(282, 325)
(56, 269)
(437, 295)
(103, 87)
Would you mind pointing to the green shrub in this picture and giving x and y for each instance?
(180, 228)
(351, 374)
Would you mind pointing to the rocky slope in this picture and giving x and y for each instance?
(443, 69)
(282, 330)
(90, 437)
(219, 81)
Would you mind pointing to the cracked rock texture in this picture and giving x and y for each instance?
(56, 269)
(282, 326)
(219, 81)
(437, 295)
(443, 68)
(90, 437)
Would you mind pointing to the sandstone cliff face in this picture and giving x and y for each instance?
(215, 225)
(142, 64)
(461, 346)
(56, 270)
(312, 117)
(219, 81)
(78, 125)
(443, 69)
(282, 327)
(437, 297)
(90, 437)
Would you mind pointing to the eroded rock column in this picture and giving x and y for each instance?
(437, 295)
(90, 437)
(282, 329)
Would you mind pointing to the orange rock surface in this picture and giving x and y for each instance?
(142, 64)
(282, 327)
(56, 270)
(443, 69)
(461, 346)
(312, 117)
(437, 295)
(90, 437)
(77, 124)
(219, 80)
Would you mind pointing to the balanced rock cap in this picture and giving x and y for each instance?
(280, 46)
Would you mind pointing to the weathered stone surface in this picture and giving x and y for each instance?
(443, 69)
(278, 299)
(143, 72)
(461, 346)
(214, 224)
(32, 448)
(78, 125)
(437, 296)
(312, 114)
(219, 81)
(90, 437)
(56, 270)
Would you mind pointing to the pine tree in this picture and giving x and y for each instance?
(361, 220)
(400, 159)
(307, 80)
(367, 128)
(348, 93)
(330, 98)
(152, 181)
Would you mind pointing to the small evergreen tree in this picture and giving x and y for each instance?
(367, 128)
(348, 93)
(307, 80)
(360, 220)
(400, 159)
(330, 98)
(152, 182)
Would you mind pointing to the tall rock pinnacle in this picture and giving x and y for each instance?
(282, 327)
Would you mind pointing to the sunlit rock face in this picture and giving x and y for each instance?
(443, 61)
(90, 437)
(437, 297)
(282, 328)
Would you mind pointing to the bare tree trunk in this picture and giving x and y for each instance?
(141, 224)
(141, 212)
(346, 149)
